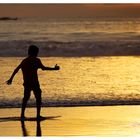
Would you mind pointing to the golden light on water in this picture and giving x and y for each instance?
(81, 78)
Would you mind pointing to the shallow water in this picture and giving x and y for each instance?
(81, 81)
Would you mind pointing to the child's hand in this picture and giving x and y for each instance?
(56, 67)
(9, 82)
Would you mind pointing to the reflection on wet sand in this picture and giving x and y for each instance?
(26, 133)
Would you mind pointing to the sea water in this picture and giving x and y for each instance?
(70, 29)
(81, 80)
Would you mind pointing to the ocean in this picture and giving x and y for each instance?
(99, 60)
(70, 29)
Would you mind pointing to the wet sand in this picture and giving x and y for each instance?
(73, 121)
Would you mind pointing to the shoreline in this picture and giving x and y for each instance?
(82, 105)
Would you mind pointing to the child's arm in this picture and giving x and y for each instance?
(13, 74)
(49, 68)
(40, 65)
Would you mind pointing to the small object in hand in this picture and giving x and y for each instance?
(57, 67)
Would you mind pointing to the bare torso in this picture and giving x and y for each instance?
(29, 68)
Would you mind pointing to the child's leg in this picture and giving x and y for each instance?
(37, 93)
(26, 97)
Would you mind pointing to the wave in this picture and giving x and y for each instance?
(76, 48)
(71, 103)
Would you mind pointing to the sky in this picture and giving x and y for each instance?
(69, 10)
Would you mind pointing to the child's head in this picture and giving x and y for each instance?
(33, 50)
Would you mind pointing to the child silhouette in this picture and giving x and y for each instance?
(29, 67)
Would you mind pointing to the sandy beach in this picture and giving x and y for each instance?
(73, 121)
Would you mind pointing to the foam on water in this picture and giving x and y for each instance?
(4, 103)
(78, 48)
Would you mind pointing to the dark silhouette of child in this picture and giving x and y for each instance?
(29, 67)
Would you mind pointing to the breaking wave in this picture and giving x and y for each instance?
(70, 49)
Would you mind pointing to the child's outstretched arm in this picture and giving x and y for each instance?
(49, 68)
(13, 74)
(40, 65)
